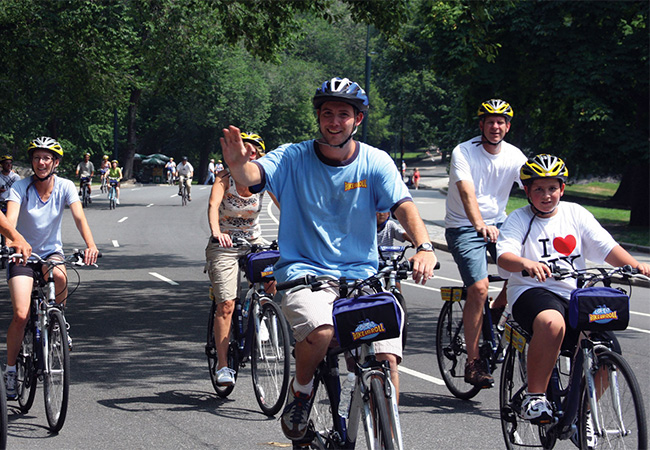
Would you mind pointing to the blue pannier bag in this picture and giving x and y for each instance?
(599, 309)
(258, 267)
(367, 318)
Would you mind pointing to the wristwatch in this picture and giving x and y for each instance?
(424, 247)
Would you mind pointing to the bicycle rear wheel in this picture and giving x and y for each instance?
(26, 370)
(56, 379)
(213, 361)
(621, 414)
(270, 358)
(451, 351)
(382, 431)
(517, 432)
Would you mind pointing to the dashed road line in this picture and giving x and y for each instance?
(162, 278)
(115, 243)
(122, 219)
(422, 376)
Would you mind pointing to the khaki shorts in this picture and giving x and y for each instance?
(222, 266)
(306, 310)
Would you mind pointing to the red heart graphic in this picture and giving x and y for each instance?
(565, 245)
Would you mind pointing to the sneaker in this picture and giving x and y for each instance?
(537, 410)
(117, 200)
(69, 342)
(295, 417)
(477, 375)
(189, 199)
(226, 376)
(10, 382)
(180, 193)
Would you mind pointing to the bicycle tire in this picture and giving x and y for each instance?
(400, 298)
(451, 351)
(385, 435)
(4, 418)
(631, 409)
(26, 370)
(56, 379)
(85, 196)
(213, 361)
(517, 432)
(270, 359)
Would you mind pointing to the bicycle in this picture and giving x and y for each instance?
(112, 193)
(373, 399)
(594, 394)
(45, 349)
(104, 186)
(451, 351)
(85, 191)
(183, 190)
(171, 180)
(394, 268)
(258, 333)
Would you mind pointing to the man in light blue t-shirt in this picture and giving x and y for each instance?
(330, 190)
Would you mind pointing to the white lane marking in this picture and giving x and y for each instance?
(640, 313)
(135, 189)
(122, 219)
(270, 211)
(115, 243)
(149, 205)
(422, 376)
(638, 329)
(172, 196)
(204, 187)
(165, 279)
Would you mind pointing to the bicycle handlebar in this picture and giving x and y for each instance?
(76, 258)
(593, 273)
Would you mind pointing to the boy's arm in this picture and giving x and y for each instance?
(618, 257)
(513, 263)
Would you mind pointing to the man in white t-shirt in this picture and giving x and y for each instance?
(7, 177)
(481, 176)
(185, 172)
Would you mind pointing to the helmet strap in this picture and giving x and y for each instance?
(320, 141)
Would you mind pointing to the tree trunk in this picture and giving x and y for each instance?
(634, 191)
(131, 134)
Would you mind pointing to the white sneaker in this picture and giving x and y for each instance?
(226, 377)
(10, 382)
(537, 409)
(117, 200)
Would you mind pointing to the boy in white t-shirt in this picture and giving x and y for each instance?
(543, 232)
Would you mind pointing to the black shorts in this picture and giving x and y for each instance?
(16, 270)
(534, 301)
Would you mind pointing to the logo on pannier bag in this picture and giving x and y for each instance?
(602, 314)
(367, 330)
(268, 271)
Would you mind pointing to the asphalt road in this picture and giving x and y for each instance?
(139, 373)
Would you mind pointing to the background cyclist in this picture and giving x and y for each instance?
(104, 166)
(170, 167)
(7, 178)
(185, 172)
(330, 190)
(549, 230)
(115, 173)
(35, 206)
(85, 169)
(481, 176)
(233, 212)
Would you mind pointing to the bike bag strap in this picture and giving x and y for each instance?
(367, 318)
(599, 309)
(258, 267)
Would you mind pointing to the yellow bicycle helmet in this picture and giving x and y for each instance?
(6, 158)
(46, 143)
(497, 107)
(254, 139)
(543, 166)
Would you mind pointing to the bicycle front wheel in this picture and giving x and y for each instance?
(618, 408)
(513, 386)
(26, 370)
(270, 358)
(56, 383)
(213, 361)
(382, 432)
(451, 351)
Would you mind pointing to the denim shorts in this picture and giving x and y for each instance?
(469, 252)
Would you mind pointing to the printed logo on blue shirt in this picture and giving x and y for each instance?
(357, 185)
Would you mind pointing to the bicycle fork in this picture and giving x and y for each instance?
(590, 369)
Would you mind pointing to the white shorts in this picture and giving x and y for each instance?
(306, 310)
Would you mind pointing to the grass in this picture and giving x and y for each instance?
(615, 220)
